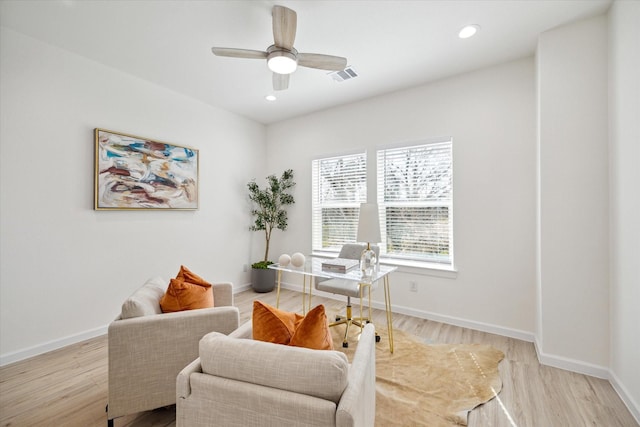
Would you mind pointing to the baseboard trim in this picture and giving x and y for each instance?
(46, 347)
(591, 370)
(422, 314)
(624, 394)
(242, 288)
(36, 350)
(572, 365)
(461, 322)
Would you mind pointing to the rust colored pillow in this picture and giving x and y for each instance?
(191, 277)
(313, 331)
(273, 325)
(181, 295)
(282, 327)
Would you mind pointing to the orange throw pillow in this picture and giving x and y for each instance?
(282, 327)
(273, 325)
(187, 291)
(191, 277)
(313, 331)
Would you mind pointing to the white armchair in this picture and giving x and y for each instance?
(237, 381)
(147, 348)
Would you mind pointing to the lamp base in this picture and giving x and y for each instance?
(368, 262)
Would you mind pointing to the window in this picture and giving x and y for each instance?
(339, 186)
(415, 202)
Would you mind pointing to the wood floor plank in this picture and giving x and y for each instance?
(69, 386)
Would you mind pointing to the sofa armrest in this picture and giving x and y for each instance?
(222, 294)
(244, 331)
(147, 353)
(183, 383)
(357, 406)
(171, 329)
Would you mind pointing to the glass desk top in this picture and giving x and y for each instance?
(313, 267)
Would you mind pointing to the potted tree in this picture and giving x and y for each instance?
(270, 213)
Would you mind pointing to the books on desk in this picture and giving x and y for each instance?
(340, 265)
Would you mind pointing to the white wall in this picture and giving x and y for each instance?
(573, 194)
(624, 185)
(65, 269)
(491, 116)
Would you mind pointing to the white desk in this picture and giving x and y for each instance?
(313, 268)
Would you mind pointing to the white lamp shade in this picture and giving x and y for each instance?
(369, 224)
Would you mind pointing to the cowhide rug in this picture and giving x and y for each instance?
(428, 384)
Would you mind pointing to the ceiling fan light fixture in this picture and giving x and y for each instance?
(282, 58)
(468, 31)
(282, 62)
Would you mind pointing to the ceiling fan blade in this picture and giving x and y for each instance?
(323, 62)
(239, 53)
(284, 26)
(280, 81)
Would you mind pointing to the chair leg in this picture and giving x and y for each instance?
(340, 321)
(109, 421)
(345, 341)
(362, 320)
(348, 320)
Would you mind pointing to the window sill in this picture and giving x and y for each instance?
(423, 268)
(408, 266)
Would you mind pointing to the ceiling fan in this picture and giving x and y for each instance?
(282, 58)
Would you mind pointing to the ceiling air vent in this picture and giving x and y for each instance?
(346, 74)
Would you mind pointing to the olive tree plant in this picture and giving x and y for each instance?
(270, 208)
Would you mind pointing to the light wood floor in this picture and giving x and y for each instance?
(68, 387)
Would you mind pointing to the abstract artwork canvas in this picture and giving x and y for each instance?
(138, 173)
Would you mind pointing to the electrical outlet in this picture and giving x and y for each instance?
(413, 286)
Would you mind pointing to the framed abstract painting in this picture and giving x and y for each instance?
(137, 173)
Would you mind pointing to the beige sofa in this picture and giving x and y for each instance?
(242, 382)
(147, 348)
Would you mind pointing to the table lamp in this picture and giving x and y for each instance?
(369, 232)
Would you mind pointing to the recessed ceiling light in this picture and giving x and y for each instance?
(270, 98)
(468, 31)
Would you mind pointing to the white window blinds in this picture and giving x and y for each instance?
(415, 201)
(339, 185)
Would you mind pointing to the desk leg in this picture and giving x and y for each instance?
(370, 317)
(304, 294)
(361, 318)
(387, 303)
(278, 294)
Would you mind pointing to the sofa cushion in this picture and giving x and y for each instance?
(322, 374)
(145, 300)
(182, 295)
(282, 327)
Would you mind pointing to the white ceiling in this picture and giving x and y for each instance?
(391, 44)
